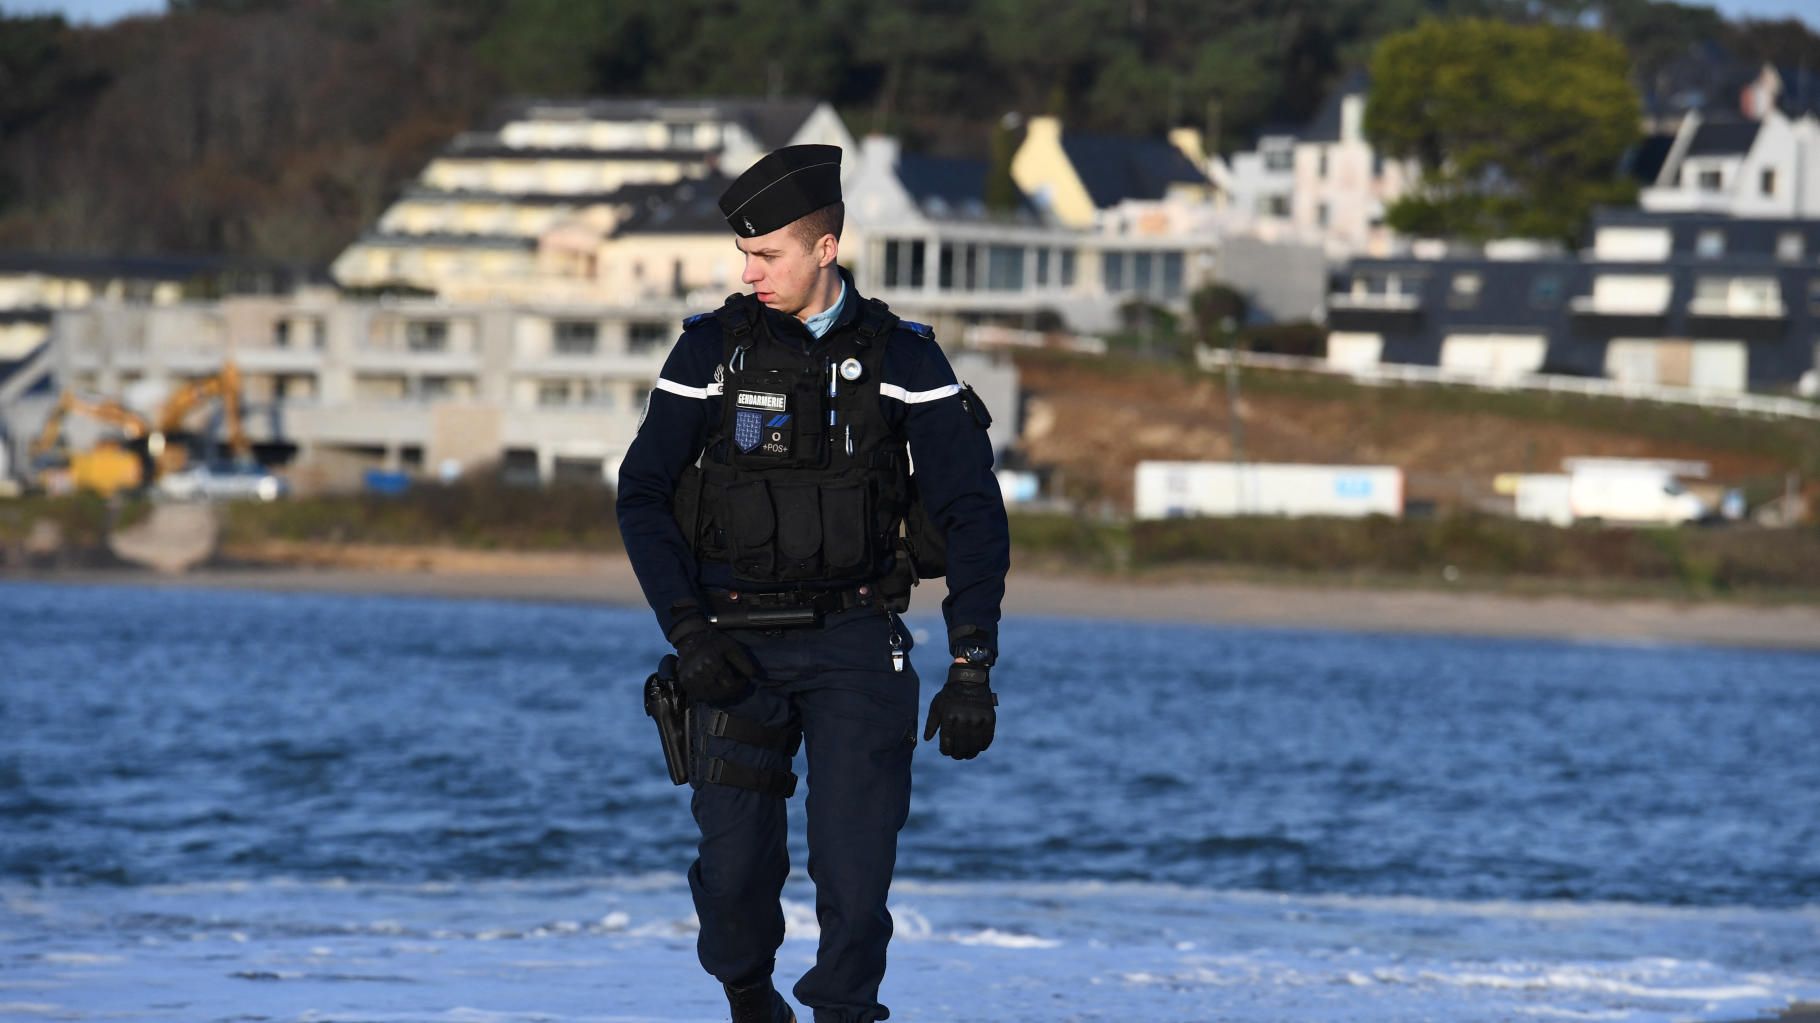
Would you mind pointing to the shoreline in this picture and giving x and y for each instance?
(608, 580)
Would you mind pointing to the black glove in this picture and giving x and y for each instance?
(712, 666)
(963, 713)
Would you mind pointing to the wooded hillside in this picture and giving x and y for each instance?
(276, 130)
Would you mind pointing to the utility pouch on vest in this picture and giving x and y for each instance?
(783, 531)
(779, 419)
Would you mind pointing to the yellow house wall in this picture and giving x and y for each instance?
(1041, 167)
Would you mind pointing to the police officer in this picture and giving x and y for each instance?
(761, 504)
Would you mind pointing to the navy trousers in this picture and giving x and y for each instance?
(858, 717)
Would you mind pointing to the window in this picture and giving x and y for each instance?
(1112, 271)
(1790, 245)
(577, 337)
(1546, 291)
(903, 264)
(1067, 268)
(1710, 242)
(427, 335)
(944, 274)
(970, 267)
(1320, 164)
(1711, 181)
(1005, 268)
(1279, 160)
(643, 338)
(1042, 268)
(682, 136)
(1172, 275)
(1321, 214)
(281, 334)
(435, 388)
(1767, 181)
(553, 392)
(1141, 276)
(1466, 287)
(1277, 206)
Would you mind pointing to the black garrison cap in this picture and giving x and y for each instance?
(783, 186)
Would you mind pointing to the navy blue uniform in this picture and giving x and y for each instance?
(837, 681)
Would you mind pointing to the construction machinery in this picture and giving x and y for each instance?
(224, 387)
(114, 464)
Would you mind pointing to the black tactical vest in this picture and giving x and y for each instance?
(802, 481)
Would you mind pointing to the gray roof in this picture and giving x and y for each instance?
(688, 207)
(1326, 124)
(395, 240)
(951, 187)
(91, 267)
(1728, 137)
(1115, 168)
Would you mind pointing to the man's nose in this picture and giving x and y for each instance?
(752, 274)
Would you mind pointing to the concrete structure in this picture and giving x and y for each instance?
(1703, 301)
(552, 392)
(414, 385)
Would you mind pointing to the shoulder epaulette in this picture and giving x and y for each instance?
(919, 329)
(693, 320)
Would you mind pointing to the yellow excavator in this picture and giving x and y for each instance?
(145, 450)
(223, 386)
(114, 464)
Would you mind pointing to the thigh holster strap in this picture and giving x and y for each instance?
(751, 733)
(781, 784)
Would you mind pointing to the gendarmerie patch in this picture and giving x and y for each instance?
(762, 421)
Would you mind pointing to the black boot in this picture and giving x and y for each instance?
(758, 1004)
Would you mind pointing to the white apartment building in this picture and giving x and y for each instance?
(469, 227)
(413, 385)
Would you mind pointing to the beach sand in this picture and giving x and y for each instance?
(608, 579)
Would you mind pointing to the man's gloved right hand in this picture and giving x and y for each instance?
(712, 666)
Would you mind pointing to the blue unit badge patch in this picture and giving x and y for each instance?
(748, 428)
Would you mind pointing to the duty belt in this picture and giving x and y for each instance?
(783, 609)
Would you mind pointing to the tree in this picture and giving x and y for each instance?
(1518, 129)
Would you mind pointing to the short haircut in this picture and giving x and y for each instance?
(828, 220)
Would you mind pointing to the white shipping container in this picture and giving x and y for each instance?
(1168, 490)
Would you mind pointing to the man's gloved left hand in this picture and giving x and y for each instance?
(963, 712)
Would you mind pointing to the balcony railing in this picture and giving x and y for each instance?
(1592, 305)
(1726, 308)
(1389, 302)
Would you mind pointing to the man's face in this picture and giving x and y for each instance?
(782, 269)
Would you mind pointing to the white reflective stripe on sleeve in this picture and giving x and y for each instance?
(917, 397)
(689, 392)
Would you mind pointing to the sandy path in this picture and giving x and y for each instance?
(608, 579)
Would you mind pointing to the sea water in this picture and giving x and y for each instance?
(237, 806)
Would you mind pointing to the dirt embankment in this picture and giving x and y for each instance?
(1095, 422)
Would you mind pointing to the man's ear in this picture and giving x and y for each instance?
(827, 248)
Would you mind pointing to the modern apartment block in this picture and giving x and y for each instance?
(1700, 300)
(413, 385)
(469, 227)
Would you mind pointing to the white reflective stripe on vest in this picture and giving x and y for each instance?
(917, 397)
(689, 392)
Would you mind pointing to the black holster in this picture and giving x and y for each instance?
(668, 705)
